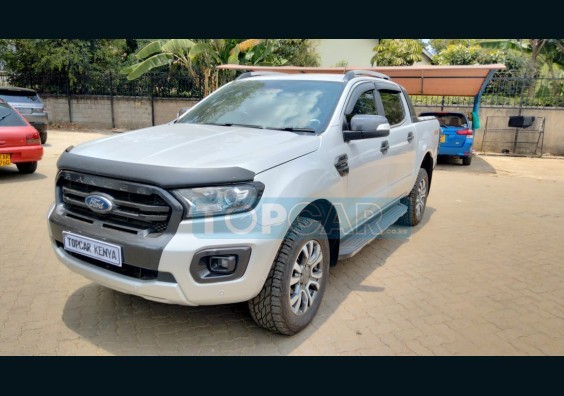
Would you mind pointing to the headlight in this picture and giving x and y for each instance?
(222, 200)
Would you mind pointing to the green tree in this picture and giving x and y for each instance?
(466, 54)
(439, 45)
(554, 56)
(160, 53)
(540, 54)
(60, 58)
(400, 52)
(458, 54)
(199, 57)
(207, 54)
(297, 52)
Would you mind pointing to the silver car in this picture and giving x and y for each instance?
(28, 103)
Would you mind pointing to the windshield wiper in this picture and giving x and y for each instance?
(228, 124)
(292, 129)
(5, 115)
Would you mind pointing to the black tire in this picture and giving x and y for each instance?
(272, 308)
(27, 167)
(415, 213)
(466, 160)
(42, 133)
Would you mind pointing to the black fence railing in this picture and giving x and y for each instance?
(169, 85)
(505, 90)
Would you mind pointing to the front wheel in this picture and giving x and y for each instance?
(297, 280)
(416, 201)
(27, 167)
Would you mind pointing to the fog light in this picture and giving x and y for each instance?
(223, 264)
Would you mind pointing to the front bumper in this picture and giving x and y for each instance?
(175, 259)
(37, 120)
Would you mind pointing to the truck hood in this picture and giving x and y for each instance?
(202, 146)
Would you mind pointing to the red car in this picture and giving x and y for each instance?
(20, 143)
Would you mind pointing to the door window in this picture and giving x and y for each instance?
(365, 104)
(393, 107)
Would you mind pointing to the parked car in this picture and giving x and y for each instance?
(457, 136)
(29, 104)
(251, 195)
(19, 141)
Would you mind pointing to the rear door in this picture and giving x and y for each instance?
(402, 140)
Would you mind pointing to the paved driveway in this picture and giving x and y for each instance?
(483, 275)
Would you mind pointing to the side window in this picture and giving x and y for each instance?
(393, 107)
(365, 104)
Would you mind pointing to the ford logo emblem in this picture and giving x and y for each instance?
(99, 203)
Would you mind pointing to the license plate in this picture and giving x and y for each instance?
(5, 160)
(443, 138)
(89, 247)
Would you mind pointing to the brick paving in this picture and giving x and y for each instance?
(483, 275)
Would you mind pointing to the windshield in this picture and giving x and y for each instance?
(12, 97)
(449, 119)
(272, 104)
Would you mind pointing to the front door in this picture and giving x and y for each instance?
(368, 161)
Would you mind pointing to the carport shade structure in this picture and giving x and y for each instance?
(427, 80)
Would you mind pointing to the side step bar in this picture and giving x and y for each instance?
(367, 232)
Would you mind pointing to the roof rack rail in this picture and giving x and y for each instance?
(353, 73)
(259, 73)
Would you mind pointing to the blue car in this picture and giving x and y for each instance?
(457, 135)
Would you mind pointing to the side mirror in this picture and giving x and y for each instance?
(364, 126)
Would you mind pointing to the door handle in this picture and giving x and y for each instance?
(384, 147)
(410, 137)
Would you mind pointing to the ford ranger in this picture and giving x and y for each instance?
(251, 195)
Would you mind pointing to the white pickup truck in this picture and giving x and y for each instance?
(249, 196)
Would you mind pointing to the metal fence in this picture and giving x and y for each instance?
(164, 85)
(505, 90)
(500, 137)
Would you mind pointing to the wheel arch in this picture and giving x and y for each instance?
(428, 165)
(324, 211)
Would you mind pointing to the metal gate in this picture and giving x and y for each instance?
(500, 138)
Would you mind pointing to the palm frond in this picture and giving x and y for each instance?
(179, 47)
(150, 49)
(149, 64)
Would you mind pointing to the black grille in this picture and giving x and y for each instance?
(137, 209)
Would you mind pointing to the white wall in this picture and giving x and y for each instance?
(357, 52)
